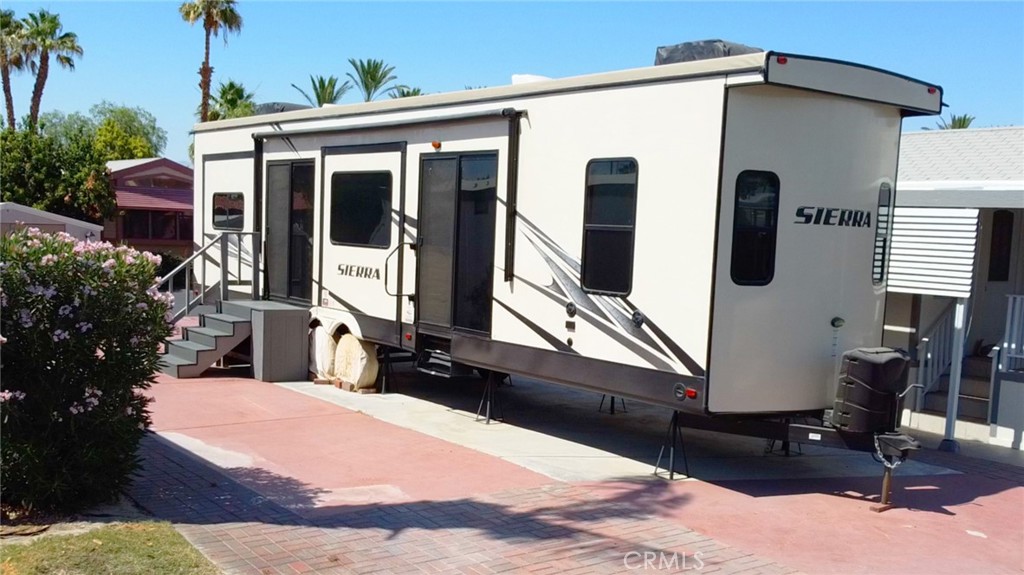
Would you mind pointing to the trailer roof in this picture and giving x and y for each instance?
(806, 72)
(714, 67)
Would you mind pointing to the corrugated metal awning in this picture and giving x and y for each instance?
(933, 251)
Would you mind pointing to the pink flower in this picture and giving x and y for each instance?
(47, 259)
(6, 396)
(153, 259)
(109, 264)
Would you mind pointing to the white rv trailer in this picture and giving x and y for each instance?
(709, 236)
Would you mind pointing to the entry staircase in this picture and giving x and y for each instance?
(217, 335)
(981, 376)
(935, 360)
(225, 327)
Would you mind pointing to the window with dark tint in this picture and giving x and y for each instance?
(755, 224)
(1000, 248)
(136, 224)
(882, 218)
(185, 227)
(609, 221)
(228, 211)
(361, 208)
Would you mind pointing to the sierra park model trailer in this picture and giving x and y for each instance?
(710, 236)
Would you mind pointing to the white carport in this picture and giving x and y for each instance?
(13, 216)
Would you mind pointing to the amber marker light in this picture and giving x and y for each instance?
(436, 145)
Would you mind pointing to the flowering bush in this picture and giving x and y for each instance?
(81, 325)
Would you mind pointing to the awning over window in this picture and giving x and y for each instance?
(933, 251)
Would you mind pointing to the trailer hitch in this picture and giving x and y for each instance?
(892, 450)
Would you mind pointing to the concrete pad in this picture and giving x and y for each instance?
(559, 433)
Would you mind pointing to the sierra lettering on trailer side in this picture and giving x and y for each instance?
(365, 272)
(820, 216)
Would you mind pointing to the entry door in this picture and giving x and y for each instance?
(362, 260)
(458, 197)
(999, 273)
(290, 203)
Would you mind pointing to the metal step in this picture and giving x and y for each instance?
(977, 367)
(205, 335)
(187, 350)
(972, 386)
(969, 408)
(173, 365)
(222, 322)
(434, 362)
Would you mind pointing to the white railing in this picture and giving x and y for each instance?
(222, 241)
(934, 353)
(1009, 354)
(1011, 348)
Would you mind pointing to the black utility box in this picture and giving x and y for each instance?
(867, 397)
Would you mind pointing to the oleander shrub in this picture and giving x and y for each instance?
(169, 261)
(81, 325)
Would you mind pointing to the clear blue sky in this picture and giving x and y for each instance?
(143, 54)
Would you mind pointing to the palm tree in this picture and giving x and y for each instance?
(44, 37)
(231, 101)
(955, 122)
(215, 15)
(325, 90)
(404, 92)
(12, 56)
(371, 76)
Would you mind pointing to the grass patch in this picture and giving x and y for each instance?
(124, 549)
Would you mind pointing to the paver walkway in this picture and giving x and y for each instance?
(306, 485)
(557, 528)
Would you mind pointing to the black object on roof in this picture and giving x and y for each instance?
(700, 50)
(275, 107)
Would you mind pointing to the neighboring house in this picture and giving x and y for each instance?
(154, 205)
(14, 216)
(956, 278)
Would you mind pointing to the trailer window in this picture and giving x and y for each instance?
(228, 211)
(755, 224)
(361, 208)
(882, 218)
(608, 226)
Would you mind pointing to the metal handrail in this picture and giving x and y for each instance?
(220, 239)
(934, 353)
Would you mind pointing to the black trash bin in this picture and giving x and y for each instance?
(867, 397)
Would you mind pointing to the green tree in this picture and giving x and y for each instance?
(45, 37)
(61, 173)
(114, 142)
(65, 128)
(118, 132)
(324, 90)
(404, 92)
(231, 101)
(12, 57)
(955, 122)
(136, 123)
(215, 16)
(371, 77)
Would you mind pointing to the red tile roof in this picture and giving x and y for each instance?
(154, 199)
